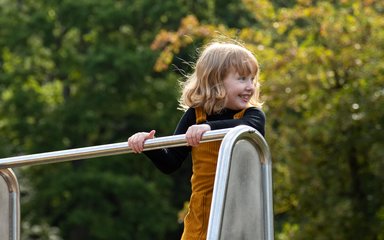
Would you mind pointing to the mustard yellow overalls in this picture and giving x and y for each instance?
(204, 159)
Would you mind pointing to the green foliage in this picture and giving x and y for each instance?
(102, 203)
(322, 82)
(81, 73)
(323, 87)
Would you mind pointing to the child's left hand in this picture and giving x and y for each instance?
(136, 141)
(195, 133)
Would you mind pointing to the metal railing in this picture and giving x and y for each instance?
(9, 205)
(256, 159)
(242, 204)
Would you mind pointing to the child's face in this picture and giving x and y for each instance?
(240, 90)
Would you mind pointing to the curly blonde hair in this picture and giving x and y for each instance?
(204, 87)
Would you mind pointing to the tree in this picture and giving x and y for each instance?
(322, 78)
(75, 74)
(80, 73)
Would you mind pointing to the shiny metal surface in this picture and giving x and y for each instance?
(242, 206)
(9, 206)
(103, 150)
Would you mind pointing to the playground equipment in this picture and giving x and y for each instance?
(242, 204)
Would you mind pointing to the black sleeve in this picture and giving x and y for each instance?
(169, 160)
(253, 117)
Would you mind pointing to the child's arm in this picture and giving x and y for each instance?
(170, 159)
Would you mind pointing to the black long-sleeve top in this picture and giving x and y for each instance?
(170, 159)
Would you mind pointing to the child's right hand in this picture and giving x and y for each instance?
(136, 141)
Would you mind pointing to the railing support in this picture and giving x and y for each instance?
(9, 206)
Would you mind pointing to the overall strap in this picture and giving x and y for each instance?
(201, 116)
(240, 114)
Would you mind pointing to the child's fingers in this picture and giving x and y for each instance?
(195, 133)
(134, 142)
(191, 136)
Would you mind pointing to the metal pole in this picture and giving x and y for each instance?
(104, 150)
(10, 208)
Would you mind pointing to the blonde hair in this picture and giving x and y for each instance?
(204, 87)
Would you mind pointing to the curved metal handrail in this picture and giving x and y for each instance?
(14, 203)
(104, 150)
(225, 159)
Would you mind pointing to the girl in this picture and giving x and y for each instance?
(222, 92)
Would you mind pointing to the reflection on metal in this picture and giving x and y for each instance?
(242, 198)
(9, 206)
(103, 150)
(242, 206)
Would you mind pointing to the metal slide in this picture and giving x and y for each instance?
(242, 205)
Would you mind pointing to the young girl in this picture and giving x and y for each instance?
(222, 92)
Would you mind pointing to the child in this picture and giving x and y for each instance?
(222, 92)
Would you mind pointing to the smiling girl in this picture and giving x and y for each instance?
(222, 92)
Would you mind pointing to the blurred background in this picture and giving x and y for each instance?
(77, 73)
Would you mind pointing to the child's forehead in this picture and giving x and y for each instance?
(238, 73)
(245, 68)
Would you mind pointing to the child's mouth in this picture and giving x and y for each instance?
(245, 98)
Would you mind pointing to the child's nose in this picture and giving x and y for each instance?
(250, 85)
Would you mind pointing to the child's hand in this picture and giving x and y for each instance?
(136, 141)
(195, 133)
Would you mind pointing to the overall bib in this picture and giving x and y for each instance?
(204, 160)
